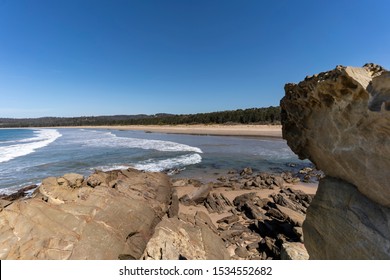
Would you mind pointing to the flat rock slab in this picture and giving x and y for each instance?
(68, 219)
(293, 251)
(294, 217)
(176, 239)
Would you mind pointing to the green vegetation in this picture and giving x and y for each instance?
(269, 115)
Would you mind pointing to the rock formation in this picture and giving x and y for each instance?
(128, 214)
(342, 223)
(340, 120)
(255, 215)
(186, 237)
(107, 216)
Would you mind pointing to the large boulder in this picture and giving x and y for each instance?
(69, 219)
(340, 120)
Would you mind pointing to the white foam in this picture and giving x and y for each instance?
(43, 138)
(113, 167)
(160, 165)
(108, 139)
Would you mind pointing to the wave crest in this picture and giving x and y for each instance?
(43, 138)
(159, 165)
(111, 140)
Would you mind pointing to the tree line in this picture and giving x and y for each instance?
(268, 115)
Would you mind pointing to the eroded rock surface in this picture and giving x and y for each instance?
(110, 215)
(340, 120)
(186, 237)
(341, 223)
(254, 214)
(128, 214)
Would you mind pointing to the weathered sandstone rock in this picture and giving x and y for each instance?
(294, 217)
(341, 223)
(293, 251)
(192, 239)
(340, 120)
(68, 219)
(129, 214)
(197, 196)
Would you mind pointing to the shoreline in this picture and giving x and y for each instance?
(246, 215)
(272, 131)
(238, 131)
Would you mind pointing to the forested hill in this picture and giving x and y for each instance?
(269, 115)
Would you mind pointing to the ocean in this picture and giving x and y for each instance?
(29, 155)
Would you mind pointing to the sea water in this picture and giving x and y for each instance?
(29, 155)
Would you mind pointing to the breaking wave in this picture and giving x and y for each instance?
(23, 147)
(153, 165)
(111, 140)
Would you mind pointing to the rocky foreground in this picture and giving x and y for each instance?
(130, 214)
(340, 120)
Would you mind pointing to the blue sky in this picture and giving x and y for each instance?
(79, 57)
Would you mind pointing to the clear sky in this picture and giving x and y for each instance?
(92, 57)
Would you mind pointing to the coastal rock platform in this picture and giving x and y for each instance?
(110, 215)
(130, 214)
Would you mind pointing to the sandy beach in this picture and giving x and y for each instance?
(274, 131)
